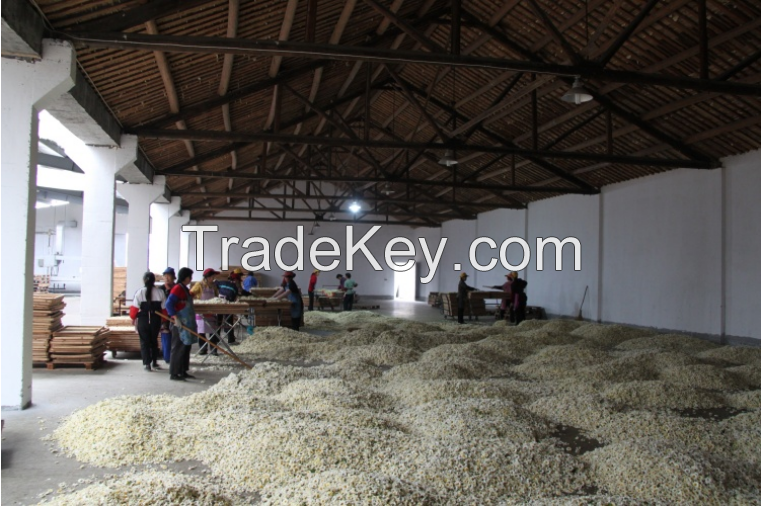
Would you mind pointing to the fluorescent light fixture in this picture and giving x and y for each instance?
(354, 207)
(577, 94)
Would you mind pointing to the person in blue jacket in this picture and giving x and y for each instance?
(250, 282)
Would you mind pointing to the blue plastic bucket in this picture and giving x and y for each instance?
(166, 345)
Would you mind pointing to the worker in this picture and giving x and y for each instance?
(520, 298)
(230, 289)
(250, 282)
(169, 281)
(294, 295)
(311, 289)
(463, 295)
(147, 301)
(508, 302)
(206, 324)
(237, 277)
(341, 280)
(179, 307)
(349, 291)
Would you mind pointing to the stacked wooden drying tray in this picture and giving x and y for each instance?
(47, 312)
(266, 312)
(79, 345)
(122, 335)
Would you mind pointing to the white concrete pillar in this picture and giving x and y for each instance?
(139, 197)
(27, 88)
(100, 164)
(98, 224)
(177, 221)
(159, 240)
(185, 244)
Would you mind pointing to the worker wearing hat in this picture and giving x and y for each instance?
(294, 295)
(206, 324)
(507, 303)
(311, 288)
(463, 295)
(519, 297)
(230, 289)
(168, 275)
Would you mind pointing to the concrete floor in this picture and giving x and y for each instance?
(29, 467)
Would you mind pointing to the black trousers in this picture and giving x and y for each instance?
(180, 358)
(311, 300)
(148, 333)
(348, 301)
(461, 314)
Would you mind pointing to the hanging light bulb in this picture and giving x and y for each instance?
(354, 207)
(331, 217)
(577, 94)
(448, 159)
(387, 191)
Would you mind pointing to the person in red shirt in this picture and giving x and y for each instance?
(179, 306)
(311, 288)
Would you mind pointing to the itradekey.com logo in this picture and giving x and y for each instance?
(352, 247)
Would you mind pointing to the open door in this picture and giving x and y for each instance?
(405, 285)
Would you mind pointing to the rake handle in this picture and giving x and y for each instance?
(239, 360)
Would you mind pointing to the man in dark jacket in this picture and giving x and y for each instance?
(520, 298)
(463, 296)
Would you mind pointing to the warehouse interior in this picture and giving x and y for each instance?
(630, 128)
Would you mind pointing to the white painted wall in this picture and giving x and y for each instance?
(562, 291)
(432, 237)
(498, 225)
(662, 251)
(742, 241)
(460, 234)
(659, 251)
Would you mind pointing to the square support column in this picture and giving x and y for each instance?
(185, 244)
(177, 221)
(26, 89)
(100, 164)
(159, 241)
(139, 197)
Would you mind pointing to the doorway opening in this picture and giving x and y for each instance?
(405, 285)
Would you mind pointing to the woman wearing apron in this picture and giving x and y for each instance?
(180, 308)
(206, 323)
